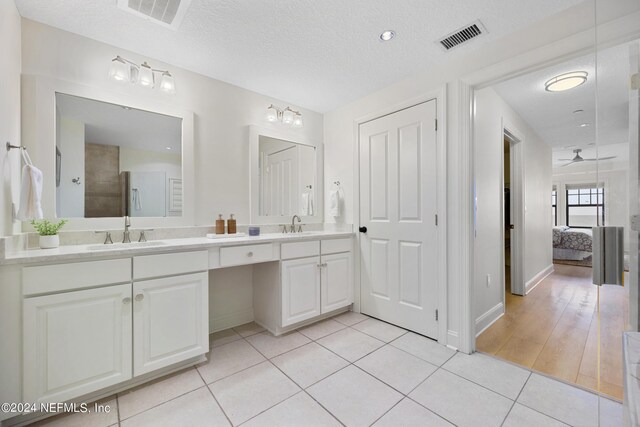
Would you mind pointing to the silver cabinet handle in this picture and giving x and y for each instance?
(139, 297)
(126, 300)
(250, 254)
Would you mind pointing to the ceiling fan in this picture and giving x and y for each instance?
(578, 158)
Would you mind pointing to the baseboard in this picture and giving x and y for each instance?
(488, 318)
(528, 287)
(220, 323)
(453, 339)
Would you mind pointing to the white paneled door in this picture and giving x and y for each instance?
(398, 231)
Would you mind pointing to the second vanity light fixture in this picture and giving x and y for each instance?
(123, 70)
(287, 116)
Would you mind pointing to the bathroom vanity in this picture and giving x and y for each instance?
(102, 318)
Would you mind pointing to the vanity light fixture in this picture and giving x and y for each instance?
(566, 81)
(123, 70)
(287, 116)
(387, 35)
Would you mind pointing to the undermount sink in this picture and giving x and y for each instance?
(120, 246)
(301, 233)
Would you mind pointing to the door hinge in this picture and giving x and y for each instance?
(436, 219)
(436, 124)
(436, 314)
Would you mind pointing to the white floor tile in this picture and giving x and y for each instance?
(350, 344)
(296, 411)
(397, 368)
(491, 373)
(271, 346)
(408, 413)
(610, 413)
(309, 364)
(424, 348)
(350, 318)
(249, 329)
(354, 397)
(321, 329)
(560, 401)
(147, 396)
(229, 359)
(521, 416)
(91, 419)
(197, 408)
(460, 401)
(246, 394)
(380, 330)
(223, 337)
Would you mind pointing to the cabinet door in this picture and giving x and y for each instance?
(76, 342)
(337, 281)
(170, 321)
(300, 290)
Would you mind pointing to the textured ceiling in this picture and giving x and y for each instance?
(552, 115)
(316, 54)
(111, 124)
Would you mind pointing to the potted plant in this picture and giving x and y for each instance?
(48, 232)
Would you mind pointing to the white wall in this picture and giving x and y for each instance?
(70, 140)
(10, 24)
(491, 113)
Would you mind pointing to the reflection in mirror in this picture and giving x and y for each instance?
(287, 177)
(113, 160)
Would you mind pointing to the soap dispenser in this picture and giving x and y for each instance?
(220, 225)
(231, 225)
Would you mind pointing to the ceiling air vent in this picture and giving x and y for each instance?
(462, 35)
(168, 13)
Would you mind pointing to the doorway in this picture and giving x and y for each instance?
(513, 214)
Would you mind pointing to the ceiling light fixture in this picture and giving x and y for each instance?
(287, 116)
(584, 125)
(123, 70)
(566, 81)
(387, 35)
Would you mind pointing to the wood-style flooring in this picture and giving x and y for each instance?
(553, 330)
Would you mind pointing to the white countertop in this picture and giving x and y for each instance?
(81, 252)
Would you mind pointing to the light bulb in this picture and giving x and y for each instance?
(287, 116)
(297, 121)
(119, 70)
(272, 114)
(167, 83)
(145, 74)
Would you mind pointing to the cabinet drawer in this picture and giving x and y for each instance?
(65, 277)
(248, 254)
(148, 266)
(300, 249)
(334, 246)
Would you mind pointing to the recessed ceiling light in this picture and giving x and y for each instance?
(387, 35)
(168, 148)
(584, 125)
(566, 81)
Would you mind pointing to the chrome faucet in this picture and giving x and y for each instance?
(293, 225)
(126, 238)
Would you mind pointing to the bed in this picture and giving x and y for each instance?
(572, 243)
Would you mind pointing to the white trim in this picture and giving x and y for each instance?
(39, 136)
(440, 96)
(538, 278)
(254, 178)
(489, 318)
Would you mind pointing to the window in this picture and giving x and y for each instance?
(585, 206)
(554, 206)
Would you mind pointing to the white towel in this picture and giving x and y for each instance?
(334, 203)
(30, 191)
(137, 202)
(306, 208)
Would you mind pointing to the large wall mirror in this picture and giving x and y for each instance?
(113, 160)
(285, 178)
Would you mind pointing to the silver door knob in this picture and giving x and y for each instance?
(126, 300)
(250, 254)
(139, 297)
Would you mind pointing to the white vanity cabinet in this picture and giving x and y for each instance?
(337, 281)
(300, 290)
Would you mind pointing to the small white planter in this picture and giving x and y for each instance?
(49, 242)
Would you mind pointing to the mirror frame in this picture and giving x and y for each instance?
(39, 136)
(254, 198)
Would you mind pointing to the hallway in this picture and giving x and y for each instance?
(553, 330)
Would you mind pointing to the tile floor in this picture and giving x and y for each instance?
(350, 370)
